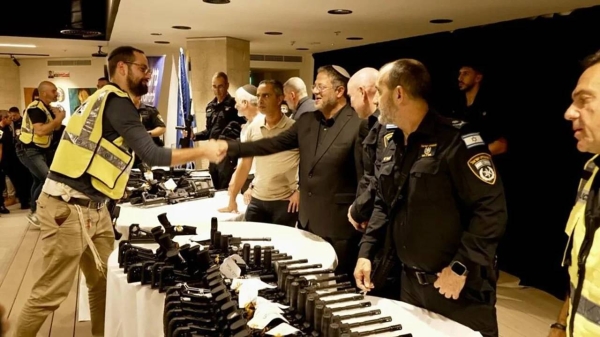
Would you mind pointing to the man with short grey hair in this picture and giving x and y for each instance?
(296, 97)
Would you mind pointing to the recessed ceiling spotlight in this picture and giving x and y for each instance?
(273, 33)
(314, 43)
(301, 48)
(182, 27)
(354, 38)
(440, 21)
(217, 2)
(156, 34)
(339, 11)
(162, 42)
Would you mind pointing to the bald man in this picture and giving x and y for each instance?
(362, 91)
(296, 97)
(40, 120)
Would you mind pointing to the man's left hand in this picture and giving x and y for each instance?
(294, 202)
(449, 283)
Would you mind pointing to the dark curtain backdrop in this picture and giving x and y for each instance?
(532, 66)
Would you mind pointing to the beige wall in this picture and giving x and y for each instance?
(10, 87)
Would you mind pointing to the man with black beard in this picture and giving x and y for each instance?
(90, 167)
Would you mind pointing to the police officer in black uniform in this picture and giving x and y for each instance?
(440, 202)
(475, 106)
(153, 123)
(222, 122)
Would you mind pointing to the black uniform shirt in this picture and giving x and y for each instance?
(152, 119)
(37, 115)
(362, 208)
(218, 116)
(452, 205)
(482, 116)
(8, 145)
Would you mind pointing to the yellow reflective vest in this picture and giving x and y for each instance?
(27, 135)
(582, 257)
(83, 150)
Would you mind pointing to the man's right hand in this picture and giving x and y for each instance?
(213, 151)
(185, 134)
(223, 147)
(59, 114)
(362, 274)
(231, 208)
(557, 333)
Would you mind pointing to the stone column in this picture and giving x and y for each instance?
(208, 56)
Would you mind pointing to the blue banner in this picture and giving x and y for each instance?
(157, 65)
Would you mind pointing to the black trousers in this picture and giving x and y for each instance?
(271, 212)
(20, 177)
(345, 248)
(221, 173)
(472, 309)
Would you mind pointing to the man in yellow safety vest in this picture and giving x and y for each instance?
(580, 316)
(91, 166)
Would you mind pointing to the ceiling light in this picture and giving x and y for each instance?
(339, 11)
(217, 2)
(162, 42)
(301, 48)
(156, 34)
(182, 27)
(17, 45)
(354, 38)
(273, 33)
(314, 43)
(440, 21)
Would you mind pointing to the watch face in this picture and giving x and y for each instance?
(458, 268)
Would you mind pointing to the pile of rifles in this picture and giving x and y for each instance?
(198, 297)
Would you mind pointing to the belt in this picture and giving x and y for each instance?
(424, 278)
(87, 203)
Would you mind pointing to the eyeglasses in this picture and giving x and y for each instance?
(319, 88)
(143, 68)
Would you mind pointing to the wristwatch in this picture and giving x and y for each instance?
(558, 326)
(458, 268)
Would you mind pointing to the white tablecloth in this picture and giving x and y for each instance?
(136, 310)
(193, 213)
(186, 213)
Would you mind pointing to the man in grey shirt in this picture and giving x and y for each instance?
(296, 97)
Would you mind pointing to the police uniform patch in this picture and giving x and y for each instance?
(427, 150)
(472, 140)
(458, 123)
(482, 166)
(386, 138)
(1, 134)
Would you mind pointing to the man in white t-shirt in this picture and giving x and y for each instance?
(247, 107)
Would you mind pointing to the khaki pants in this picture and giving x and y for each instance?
(66, 250)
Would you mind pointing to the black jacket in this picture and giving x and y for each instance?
(328, 175)
(218, 117)
(452, 206)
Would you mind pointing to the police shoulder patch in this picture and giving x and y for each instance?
(472, 139)
(482, 166)
(1, 134)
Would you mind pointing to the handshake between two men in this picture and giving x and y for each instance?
(214, 150)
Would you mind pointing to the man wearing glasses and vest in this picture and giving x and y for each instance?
(580, 316)
(91, 166)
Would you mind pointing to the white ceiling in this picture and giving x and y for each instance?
(304, 22)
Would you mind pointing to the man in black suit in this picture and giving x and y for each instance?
(329, 141)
